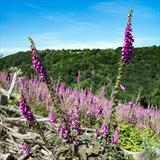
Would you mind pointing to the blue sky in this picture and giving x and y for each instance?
(67, 24)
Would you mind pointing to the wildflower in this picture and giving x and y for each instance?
(25, 110)
(37, 65)
(101, 92)
(76, 111)
(36, 62)
(99, 110)
(79, 130)
(131, 104)
(8, 77)
(104, 129)
(74, 122)
(75, 125)
(115, 137)
(63, 131)
(25, 149)
(127, 48)
(97, 133)
(52, 117)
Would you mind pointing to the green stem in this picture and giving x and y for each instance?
(113, 120)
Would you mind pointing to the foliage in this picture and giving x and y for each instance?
(99, 67)
(14, 100)
(39, 110)
(135, 139)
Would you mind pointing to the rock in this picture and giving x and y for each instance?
(6, 157)
(91, 158)
(61, 150)
(156, 151)
(141, 156)
(144, 155)
(3, 99)
(82, 152)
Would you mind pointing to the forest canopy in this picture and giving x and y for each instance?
(98, 67)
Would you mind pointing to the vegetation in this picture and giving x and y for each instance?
(99, 67)
(134, 139)
(85, 125)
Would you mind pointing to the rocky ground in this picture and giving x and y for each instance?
(14, 130)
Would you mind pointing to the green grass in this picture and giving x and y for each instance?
(134, 139)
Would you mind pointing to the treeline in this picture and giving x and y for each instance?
(99, 67)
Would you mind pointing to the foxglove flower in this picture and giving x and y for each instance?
(74, 122)
(75, 125)
(131, 104)
(99, 110)
(37, 65)
(76, 111)
(63, 131)
(115, 137)
(36, 62)
(101, 92)
(25, 149)
(97, 133)
(104, 129)
(25, 110)
(52, 117)
(127, 49)
(79, 130)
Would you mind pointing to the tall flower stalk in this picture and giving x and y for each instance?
(25, 110)
(27, 113)
(126, 54)
(127, 49)
(38, 67)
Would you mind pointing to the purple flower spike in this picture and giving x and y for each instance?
(36, 62)
(115, 137)
(104, 129)
(74, 122)
(52, 117)
(63, 131)
(25, 149)
(127, 49)
(25, 110)
(76, 111)
(37, 65)
(97, 133)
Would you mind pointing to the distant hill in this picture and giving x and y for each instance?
(99, 67)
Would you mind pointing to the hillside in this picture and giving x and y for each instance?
(99, 67)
